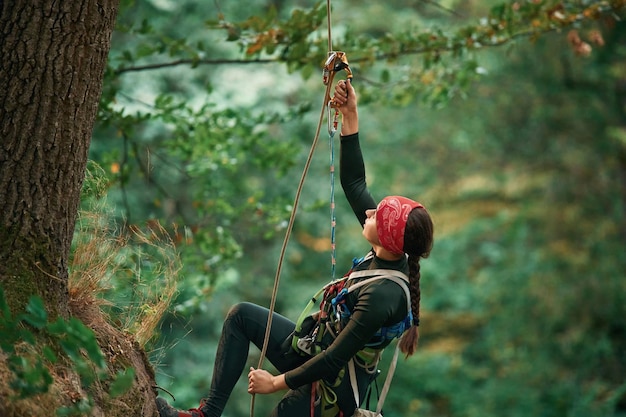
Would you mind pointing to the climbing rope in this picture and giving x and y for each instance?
(337, 61)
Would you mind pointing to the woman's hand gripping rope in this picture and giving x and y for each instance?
(346, 100)
(345, 97)
(337, 61)
(262, 382)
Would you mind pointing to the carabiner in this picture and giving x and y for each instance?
(333, 118)
(337, 61)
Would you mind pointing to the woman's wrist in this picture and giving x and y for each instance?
(278, 383)
(349, 123)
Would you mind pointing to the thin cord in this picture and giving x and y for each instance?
(333, 217)
(333, 220)
(286, 240)
(293, 215)
(330, 39)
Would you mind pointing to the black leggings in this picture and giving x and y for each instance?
(246, 323)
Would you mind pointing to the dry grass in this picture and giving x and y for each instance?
(142, 263)
(96, 263)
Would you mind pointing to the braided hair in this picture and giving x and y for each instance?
(418, 242)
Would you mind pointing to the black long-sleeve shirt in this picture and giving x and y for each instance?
(375, 305)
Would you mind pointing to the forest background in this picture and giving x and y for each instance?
(513, 137)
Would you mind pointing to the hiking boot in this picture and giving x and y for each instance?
(166, 410)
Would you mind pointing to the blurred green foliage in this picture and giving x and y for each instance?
(63, 340)
(506, 119)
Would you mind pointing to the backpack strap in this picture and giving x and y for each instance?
(378, 273)
(385, 390)
(402, 280)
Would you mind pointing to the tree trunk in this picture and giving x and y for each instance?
(52, 59)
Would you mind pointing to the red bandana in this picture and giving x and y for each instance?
(391, 216)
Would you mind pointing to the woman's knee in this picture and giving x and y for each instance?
(236, 309)
(242, 312)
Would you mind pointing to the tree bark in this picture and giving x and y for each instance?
(52, 60)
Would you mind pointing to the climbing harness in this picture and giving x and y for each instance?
(327, 313)
(324, 318)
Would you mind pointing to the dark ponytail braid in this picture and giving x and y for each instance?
(408, 343)
(418, 242)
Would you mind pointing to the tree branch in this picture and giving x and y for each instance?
(194, 62)
(446, 46)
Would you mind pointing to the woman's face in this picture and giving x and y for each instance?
(369, 228)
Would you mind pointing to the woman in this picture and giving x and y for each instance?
(400, 231)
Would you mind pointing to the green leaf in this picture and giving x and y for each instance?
(81, 408)
(122, 383)
(37, 317)
(385, 76)
(49, 354)
(30, 379)
(75, 338)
